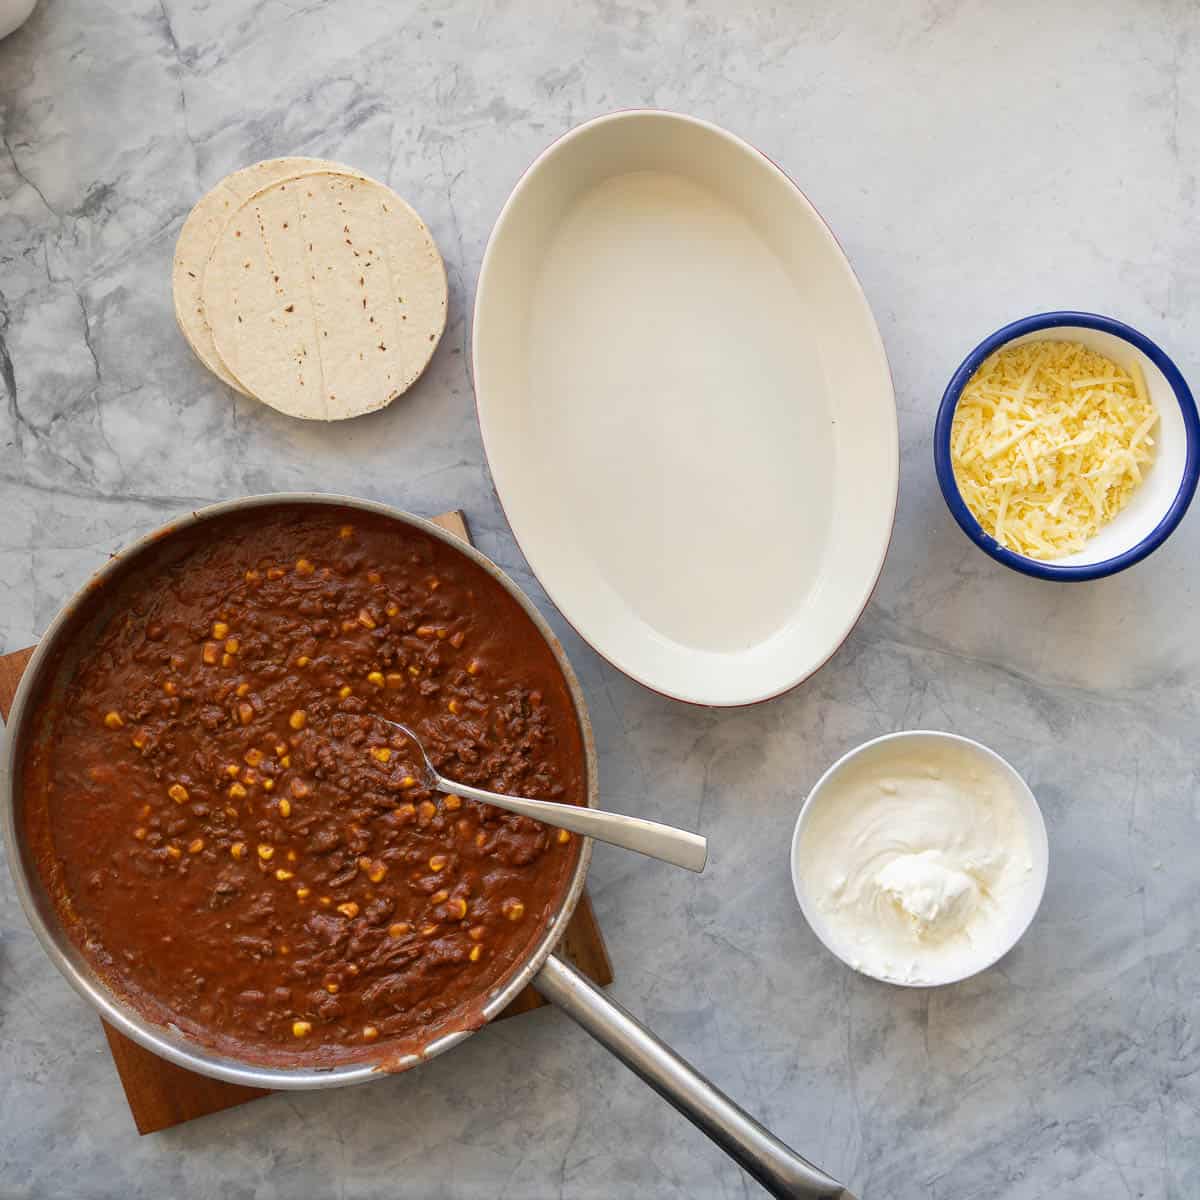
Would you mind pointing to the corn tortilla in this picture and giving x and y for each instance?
(326, 295)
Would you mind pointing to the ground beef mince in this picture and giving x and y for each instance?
(237, 843)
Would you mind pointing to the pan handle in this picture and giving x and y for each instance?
(751, 1145)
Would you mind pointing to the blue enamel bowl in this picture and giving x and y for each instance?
(1155, 508)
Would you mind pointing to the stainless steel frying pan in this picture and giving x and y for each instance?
(779, 1169)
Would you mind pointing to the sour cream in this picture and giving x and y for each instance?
(920, 858)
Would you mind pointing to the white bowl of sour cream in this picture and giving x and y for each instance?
(920, 858)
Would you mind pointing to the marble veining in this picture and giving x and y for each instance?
(978, 162)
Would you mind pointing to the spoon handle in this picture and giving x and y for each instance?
(664, 842)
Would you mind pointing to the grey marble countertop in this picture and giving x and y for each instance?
(979, 162)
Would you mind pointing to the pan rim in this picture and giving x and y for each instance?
(174, 1045)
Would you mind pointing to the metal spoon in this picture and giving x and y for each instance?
(672, 845)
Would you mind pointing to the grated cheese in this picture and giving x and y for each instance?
(1049, 442)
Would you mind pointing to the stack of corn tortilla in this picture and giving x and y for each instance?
(309, 286)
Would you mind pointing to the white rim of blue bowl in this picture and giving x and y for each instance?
(945, 469)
